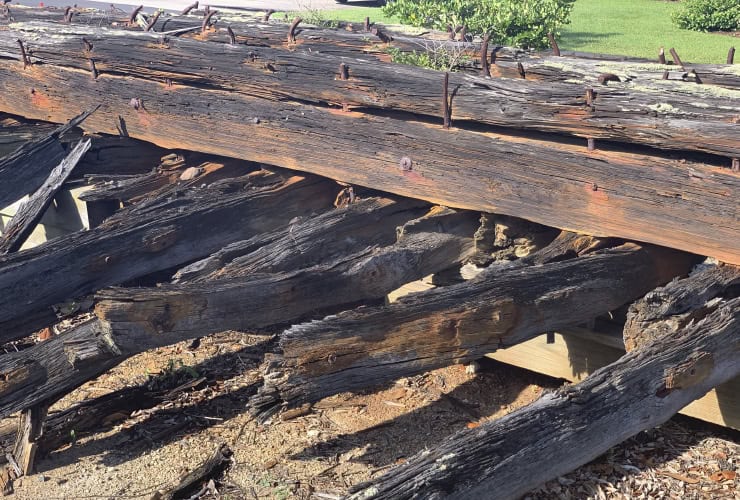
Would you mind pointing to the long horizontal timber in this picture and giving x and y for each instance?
(604, 193)
(505, 305)
(669, 116)
(130, 321)
(524, 449)
(152, 236)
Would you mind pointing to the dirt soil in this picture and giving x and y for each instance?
(342, 440)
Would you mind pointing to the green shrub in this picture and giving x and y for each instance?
(708, 15)
(522, 23)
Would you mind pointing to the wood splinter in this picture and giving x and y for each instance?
(187, 9)
(293, 26)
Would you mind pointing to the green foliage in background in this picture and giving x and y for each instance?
(708, 15)
(521, 23)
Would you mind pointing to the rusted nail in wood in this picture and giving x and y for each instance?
(550, 337)
(136, 103)
(67, 14)
(520, 69)
(134, 13)
(697, 79)
(594, 187)
(736, 164)
(207, 20)
(88, 45)
(232, 36)
(605, 78)
(367, 24)
(406, 164)
(93, 69)
(380, 34)
(153, 20)
(590, 96)
(591, 145)
(731, 55)
(665, 75)
(293, 26)
(187, 9)
(343, 72)
(675, 57)
(24, 54)
(553, 44)
(463, 33)
(206, 10)
(661, 56)
(446, 101)
(268, 14)
(485, 68)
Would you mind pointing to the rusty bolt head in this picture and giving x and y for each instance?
(135, 103)
(406, 164)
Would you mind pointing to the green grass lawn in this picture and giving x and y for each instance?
(627, 27)
(639, 28)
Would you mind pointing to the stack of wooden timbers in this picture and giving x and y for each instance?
(568, 188)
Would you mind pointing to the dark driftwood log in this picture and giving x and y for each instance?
(503, 306)
(603, 193)
(135, 320)
(191, 483)
(152, 236)
(516, 453)
(671, 117)
(29, 213)
(26, 169)
(668, 309)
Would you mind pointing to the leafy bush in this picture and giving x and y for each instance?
(708, 15)
(523, 23)
(434, 56)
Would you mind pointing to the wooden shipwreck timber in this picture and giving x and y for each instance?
(258, 176)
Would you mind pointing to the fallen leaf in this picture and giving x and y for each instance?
(679, 477)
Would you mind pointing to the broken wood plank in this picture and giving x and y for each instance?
(29, 431)
(602, 192)
(26, 169)
(135, 320)
(152, 236)
(670, 117)
(524, 449)
(668, 309)
(505, 305)
(192, 482)
(28, 215)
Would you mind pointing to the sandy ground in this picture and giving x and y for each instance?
(344, 439)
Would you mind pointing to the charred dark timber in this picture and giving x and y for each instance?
(524, 449)
(505, 305)
(602, 193)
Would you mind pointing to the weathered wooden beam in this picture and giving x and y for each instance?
(189, 486)
(669, 117)
(668, 309)
(26, 169)
(524, 449)
(29, 213)
(135, 320)
(603, 192)
(503, 306)
(152, 236)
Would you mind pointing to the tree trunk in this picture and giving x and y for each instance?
(602, 193)
(695, 119)
(573, 425)
(131, 321)
(669, 309)
(152, 236)
(29, 213)
(504, 306)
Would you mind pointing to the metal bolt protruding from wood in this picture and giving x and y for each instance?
(406, 164)
(485, 68)
(675, 57)
(187, 9)
(731, 56)
(93, 69)
(589, 96)
(135, 103)
(665, 75)
(520, 70)
(736, 164)
(68, 14)
(24, 54)
(269, 13)
(367, 24)
(553, 44)
(293, 26)
(134, 13)
(446, 102)
(661, 56)
(153, 20)
(591, 142)
(88, 44)
(232, 35)
(207, 20)
(343, 72)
